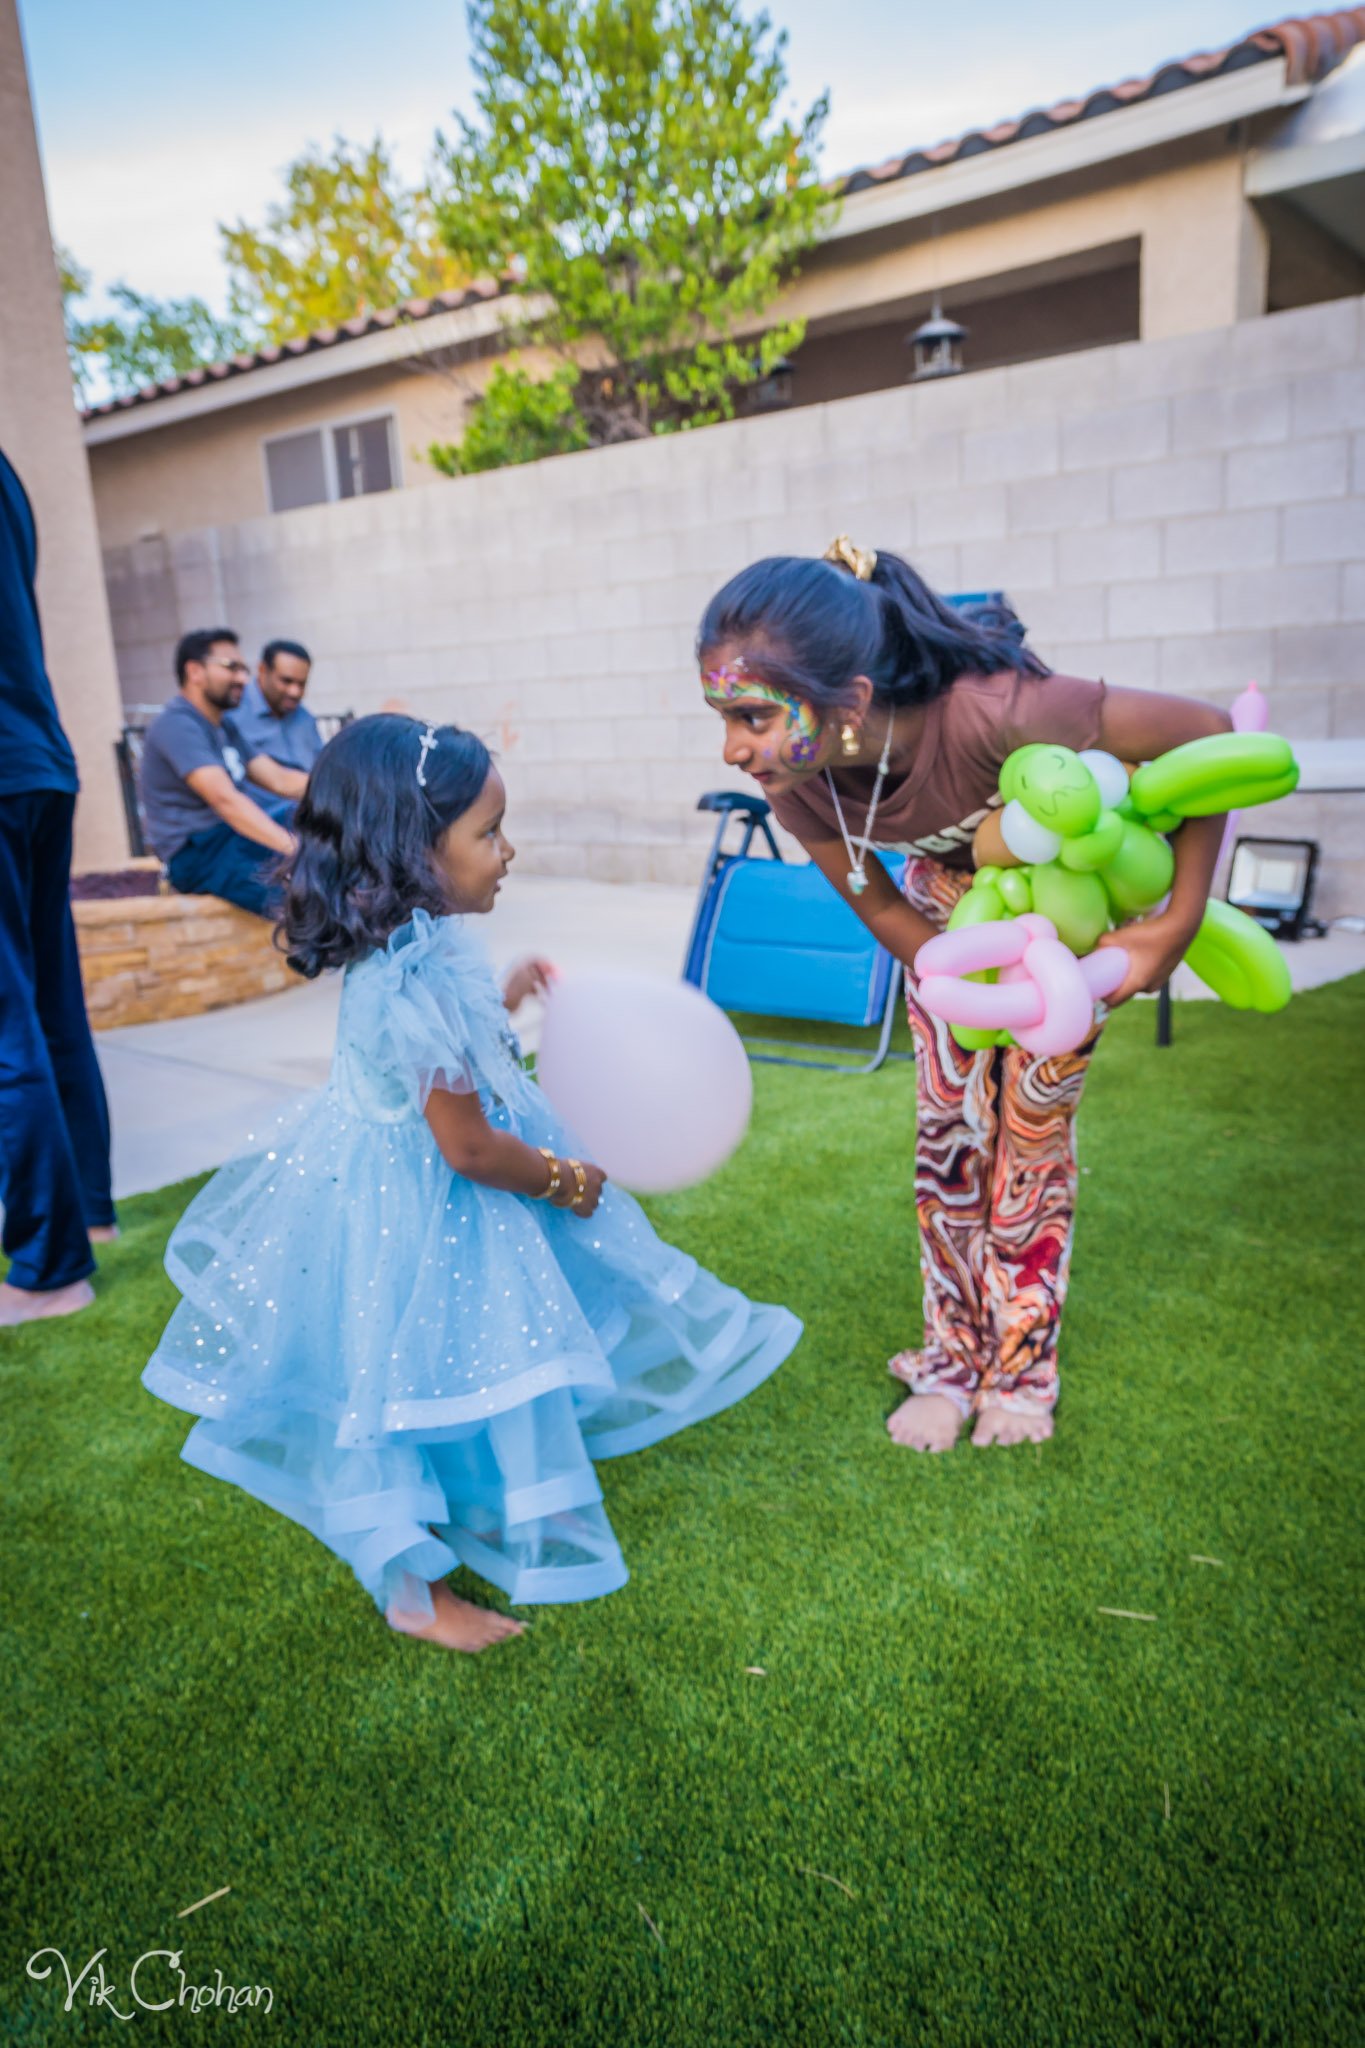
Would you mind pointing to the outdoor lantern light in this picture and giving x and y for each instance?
(1272, 881)
(774, 392)
(937, 344)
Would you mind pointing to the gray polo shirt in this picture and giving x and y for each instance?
(294, 740)
(180, 740)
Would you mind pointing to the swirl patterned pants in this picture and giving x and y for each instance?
(995, 1195)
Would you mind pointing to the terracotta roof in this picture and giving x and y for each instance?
(410, 311)
(1311, 45)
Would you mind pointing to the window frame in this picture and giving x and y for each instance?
(327, 428)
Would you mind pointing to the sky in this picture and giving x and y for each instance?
(159, 118)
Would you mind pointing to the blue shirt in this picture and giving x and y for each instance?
(294, 740)
(34, 751)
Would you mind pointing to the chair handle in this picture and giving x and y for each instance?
(734, 800)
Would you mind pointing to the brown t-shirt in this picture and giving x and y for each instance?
(954, 779)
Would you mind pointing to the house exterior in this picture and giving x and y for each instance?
(1216, 189)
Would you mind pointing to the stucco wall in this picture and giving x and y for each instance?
(1202, 261)
(211, 470)
(1182, 515)
(40, 433)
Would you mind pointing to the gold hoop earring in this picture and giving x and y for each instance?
(850, 740)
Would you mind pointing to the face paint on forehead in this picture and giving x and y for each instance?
(801, 738)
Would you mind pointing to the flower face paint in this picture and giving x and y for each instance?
(800, 742)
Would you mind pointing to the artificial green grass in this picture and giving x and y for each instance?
(960, 1806)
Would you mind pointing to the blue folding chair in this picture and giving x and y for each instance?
(772, 939)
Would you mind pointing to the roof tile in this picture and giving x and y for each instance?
(1311, 46)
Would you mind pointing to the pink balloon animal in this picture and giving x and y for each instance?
(1250, 713)
(1045, 997)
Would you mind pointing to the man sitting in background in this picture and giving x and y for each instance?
(271, 717)
(200, 782)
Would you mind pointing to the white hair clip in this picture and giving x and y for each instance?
(426, 743)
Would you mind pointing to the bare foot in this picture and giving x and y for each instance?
(997, 1424)
(927, 1422)
(28, 1305)
(103, 1233)
(457, 1624)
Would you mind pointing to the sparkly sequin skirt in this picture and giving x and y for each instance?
(422, 1371)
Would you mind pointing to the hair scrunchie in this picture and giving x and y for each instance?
(860, 562)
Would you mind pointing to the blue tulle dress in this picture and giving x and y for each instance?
(417, 1368)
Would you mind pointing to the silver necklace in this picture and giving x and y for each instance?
(857, 862)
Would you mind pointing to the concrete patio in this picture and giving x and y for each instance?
(184, 1094)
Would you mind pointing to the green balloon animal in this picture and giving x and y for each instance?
(1082, 845)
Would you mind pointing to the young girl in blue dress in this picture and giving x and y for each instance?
(412, 1316)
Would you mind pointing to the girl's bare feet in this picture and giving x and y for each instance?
(28, 1305)
(997, 1424)
(926, 1422)
(456, 1624)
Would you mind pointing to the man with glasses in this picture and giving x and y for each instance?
(200, 783)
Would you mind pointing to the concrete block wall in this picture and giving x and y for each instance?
(1181, 515)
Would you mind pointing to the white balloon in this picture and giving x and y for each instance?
(1026, 839)
(1109, 772)
(650, 1076)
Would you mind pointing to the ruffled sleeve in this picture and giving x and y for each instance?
(416, 1012)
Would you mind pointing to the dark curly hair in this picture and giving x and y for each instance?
(812, 627)
(366, 828)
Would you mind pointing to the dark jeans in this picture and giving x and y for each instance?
(54, 1120)
(220, 862)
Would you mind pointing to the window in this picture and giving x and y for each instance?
(347, 460)
(361, 452)
(296, 468)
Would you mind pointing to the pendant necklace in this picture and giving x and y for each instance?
(857, 862)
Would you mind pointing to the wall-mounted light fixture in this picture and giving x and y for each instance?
(937, 346)
(773, 393)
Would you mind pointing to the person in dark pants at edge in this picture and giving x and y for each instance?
(54, 1120)
(215, 812)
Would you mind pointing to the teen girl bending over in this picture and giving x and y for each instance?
(873, 714)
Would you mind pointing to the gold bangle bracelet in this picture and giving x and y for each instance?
(581, 1177)
(556, 1178)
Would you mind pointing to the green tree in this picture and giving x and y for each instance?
(145, 341)
(349, 237)
(517, 419)
(630, 168)
(75, 283)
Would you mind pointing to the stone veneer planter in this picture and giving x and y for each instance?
(144, 958)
